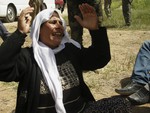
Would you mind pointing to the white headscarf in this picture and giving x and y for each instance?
(45, 57)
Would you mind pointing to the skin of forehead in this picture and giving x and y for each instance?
(55, 14)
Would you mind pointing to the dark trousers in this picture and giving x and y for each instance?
(126, 9)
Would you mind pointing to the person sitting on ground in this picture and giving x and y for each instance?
(137, 90)
(50, 71)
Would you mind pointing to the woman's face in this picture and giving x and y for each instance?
(52, 31)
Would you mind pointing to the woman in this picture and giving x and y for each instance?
(50, 72)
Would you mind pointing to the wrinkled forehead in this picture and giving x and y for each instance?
(54, 18)
(44, 16)
(55, 14)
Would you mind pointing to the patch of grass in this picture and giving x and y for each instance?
(116, 4)
(116, 66)
(139, 14)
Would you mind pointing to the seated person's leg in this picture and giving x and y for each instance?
(140, 77)
(141, 96)
(129, 89)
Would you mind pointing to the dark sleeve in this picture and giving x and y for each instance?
(9, 52)
(98, 54)
(11, 46)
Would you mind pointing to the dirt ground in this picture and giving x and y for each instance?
(123, 43)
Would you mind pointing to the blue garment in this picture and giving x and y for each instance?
(3, 31)
(141, 71)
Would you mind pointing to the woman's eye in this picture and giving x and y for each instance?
(52, 21)
(60, 22)
(55, 21)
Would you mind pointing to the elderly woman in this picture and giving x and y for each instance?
(50, 72)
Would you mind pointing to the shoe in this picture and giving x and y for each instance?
(140, 97)
(129, 89)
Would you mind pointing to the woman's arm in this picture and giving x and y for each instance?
(98, 54)
(9, 52)
(11, 47)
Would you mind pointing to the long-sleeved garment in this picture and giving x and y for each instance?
(3, 31)
(18, 64)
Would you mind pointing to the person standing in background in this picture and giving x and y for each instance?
(126, 9)
(38, 6)
(63, 7)
(99, 11)
(107, 8)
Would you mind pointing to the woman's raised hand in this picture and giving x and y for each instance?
(24, 20)
(90, 19)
